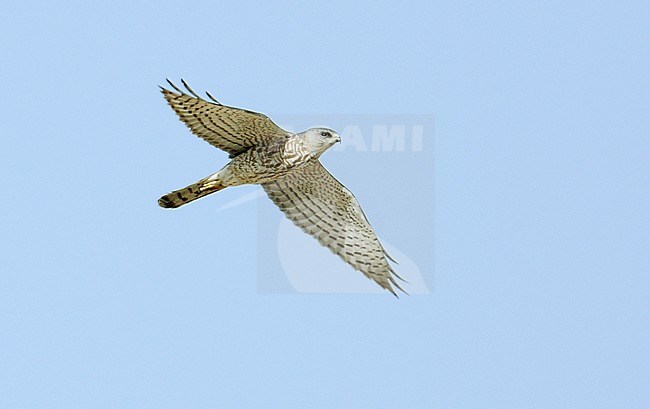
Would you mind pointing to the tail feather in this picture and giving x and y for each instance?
(190, 193)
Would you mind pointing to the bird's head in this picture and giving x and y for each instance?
(320, 139)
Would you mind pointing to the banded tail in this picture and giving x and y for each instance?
(190, 193)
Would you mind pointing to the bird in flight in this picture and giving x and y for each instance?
(286, 165)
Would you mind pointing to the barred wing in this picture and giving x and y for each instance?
(230, 129)
(325, 209)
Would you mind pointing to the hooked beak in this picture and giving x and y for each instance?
(338, 139)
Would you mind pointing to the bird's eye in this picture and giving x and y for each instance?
(325, 134)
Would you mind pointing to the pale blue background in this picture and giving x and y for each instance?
(541, 290)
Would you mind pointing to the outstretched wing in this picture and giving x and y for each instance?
(230, 129)
(325, 209)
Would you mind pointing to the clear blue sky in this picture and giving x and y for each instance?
(541, 285)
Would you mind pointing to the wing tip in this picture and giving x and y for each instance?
(168, 93)
(190, 90)
(171, 84)
(212, 98)
(394, 282)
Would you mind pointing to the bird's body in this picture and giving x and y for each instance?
(287, 167)
(267, 162)
(259, 164)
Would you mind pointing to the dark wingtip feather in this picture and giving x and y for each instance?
(390, 268)
(388, 256)
(392, 280)
(212, 98)
(190, 90)
(175, 87)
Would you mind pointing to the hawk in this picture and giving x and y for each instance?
(286, 165)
